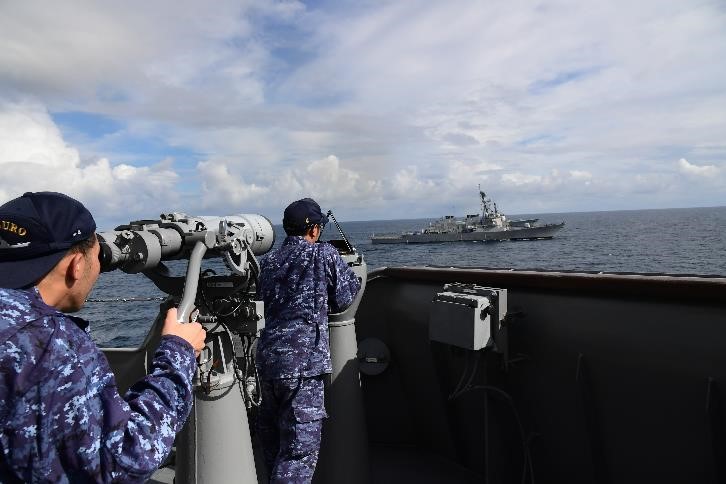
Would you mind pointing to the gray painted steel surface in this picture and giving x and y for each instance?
(344, 448)
(215, 444)
(541, 232)
(613, 378)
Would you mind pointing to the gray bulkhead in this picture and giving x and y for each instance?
(593, 378)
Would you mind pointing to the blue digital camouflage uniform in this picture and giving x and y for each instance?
(61, 417)
(300, 283)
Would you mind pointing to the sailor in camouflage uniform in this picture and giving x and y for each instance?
(300, 282)
(61, 417)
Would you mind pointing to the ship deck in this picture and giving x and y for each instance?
(605, 378)
(388, 465)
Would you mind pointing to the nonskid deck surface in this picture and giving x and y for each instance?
(165, 475)
(394, 465)
(389, 465)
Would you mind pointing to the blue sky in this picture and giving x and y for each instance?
(110, 137)
(379, 110)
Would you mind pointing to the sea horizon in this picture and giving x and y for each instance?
(522, 214)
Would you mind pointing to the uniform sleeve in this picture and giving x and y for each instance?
(343, 284)
(123, 439)
(158, 406)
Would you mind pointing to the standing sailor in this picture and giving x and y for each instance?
(300, 282)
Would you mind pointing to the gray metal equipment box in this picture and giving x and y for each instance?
(467, 315)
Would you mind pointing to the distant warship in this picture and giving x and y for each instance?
(489, 225)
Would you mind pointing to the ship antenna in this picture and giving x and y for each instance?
(484, 207)
(481, 196)
(330, 214)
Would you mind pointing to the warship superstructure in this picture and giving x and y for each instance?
(489, 225)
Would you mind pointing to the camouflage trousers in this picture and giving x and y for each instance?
(289, 424)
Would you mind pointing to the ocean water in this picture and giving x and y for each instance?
(689, 241)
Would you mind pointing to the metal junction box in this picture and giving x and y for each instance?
(467, 315)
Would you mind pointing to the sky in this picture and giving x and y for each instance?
(377, 109)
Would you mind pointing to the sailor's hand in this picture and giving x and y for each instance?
(193, 333)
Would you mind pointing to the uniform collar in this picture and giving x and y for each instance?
(294, 240)
(35, 296)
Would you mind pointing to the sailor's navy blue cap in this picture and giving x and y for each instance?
(36, 231)
(302, 214)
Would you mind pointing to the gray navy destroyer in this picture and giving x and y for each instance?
(489, 225)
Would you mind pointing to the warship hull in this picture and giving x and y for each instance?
(606, 378)
(496, 234)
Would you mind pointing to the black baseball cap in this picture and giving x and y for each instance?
(302, 214)
(36, 231)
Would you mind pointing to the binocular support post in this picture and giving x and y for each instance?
(191, 282)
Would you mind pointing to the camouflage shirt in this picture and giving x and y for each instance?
(299, 283)
(61, 417)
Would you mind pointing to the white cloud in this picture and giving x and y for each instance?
(35, 157)
(323, 179)
(690, 169)
(520, 179)
(177, 61)
(416, 100)
(220, 188)
(463, 177)
(29, 137)
(581, 175)
(407, 184)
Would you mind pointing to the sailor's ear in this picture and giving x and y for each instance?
(76, 265)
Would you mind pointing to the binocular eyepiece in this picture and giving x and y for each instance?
(105, 255)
